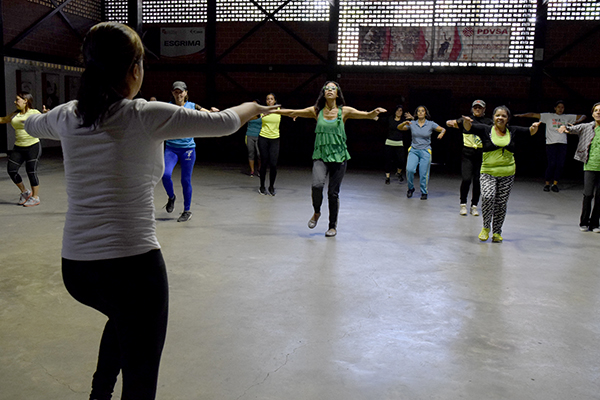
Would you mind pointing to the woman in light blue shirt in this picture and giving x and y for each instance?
(419, 153)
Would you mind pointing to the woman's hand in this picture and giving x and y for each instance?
(408, 115)
(467, 123)
(563, 129)
(534, 127)
(214, 109)
(441, 135)
(377, 111)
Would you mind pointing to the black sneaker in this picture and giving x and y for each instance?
(262, 191)
(170, 204)
(387, 180)
(272, 191)
(401, 179)
(547, 188)
(185, 216)
(423, 196)
(409, 193)
(554, 188)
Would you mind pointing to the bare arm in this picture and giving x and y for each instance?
(404, 126)
(451, 123)
(529, 115)
(308, 112)
(353, 113)
(467, 123)
(441, 130)
(248, 110)
(8, 118)
(580, 118)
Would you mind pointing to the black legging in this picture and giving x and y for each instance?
(395, 156)
(471, 165)
(269, 154)
(133, 293)
(29, 155)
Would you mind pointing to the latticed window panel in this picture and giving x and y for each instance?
(90, 9)
(568, 10)
(295, 10)
(194, 11)
(485, 33)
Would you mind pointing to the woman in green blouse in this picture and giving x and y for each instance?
(331, 154)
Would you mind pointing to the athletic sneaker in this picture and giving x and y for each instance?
(547, 188)
(331, 232)
(496, 238)
(423, 196)
(596, 230)
(463, 209)
(262, 191)
(31, 202)
(410, 192)
(387, 180)
(170, 204)
(584, 228)
(24, 197)
(185, 216)
(272, 191)
(474, 211)
(554, 188)
(484, 234)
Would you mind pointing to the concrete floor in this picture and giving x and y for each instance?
(405, 303)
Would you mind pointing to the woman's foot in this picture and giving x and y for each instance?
(484, 234)
(312, 222)
(32, 202)
(331, 232)
(271, 190)
(24, 197)
(262, 190)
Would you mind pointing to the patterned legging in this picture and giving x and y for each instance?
(494, 192)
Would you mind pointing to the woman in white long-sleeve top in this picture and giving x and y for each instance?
(113, 159)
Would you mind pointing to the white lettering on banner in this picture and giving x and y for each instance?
(176, 42)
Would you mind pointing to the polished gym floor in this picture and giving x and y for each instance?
(404, 303)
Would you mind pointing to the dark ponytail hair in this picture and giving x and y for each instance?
(110, 50)
(28, 99)
(320, 103)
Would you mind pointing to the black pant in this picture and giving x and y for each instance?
(591, 188)
(29, 155)
(133, 293)
(395, 156)
(269, 154)
(556, 154)
(336, 172)
(470, 167)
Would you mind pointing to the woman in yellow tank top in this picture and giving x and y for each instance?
(268, 146)
(27, 150)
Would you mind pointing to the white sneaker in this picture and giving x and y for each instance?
(463, 209)
(583, 228)
(24, 197)
(474, 211)
(596, 230)
(31, 202)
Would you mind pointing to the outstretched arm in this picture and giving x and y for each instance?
(404, 126)
(248, 110)
(580, 118)
(452, 123)
(529, 115)
(308, 112)
(8, 118)
(353, 113)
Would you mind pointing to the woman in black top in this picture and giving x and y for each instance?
(395, 155)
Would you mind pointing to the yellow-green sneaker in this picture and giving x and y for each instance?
(484, 234)
(496, 238)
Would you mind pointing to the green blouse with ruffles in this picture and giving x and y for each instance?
(330, 143)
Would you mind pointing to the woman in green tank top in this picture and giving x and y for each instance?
(330, 154)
